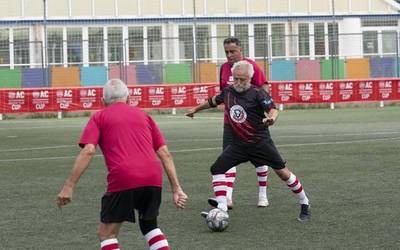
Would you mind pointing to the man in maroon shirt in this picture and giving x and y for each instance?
(131, 144)
(246, 106)
(233, 51)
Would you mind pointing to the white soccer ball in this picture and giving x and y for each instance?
(217, 220)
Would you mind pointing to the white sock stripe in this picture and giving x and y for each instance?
(262, 169)
(108, 242)
(159, 244)
(219, 188)
(150, 235)
(296, 187)
(230, 179)
(292, 178)
(218, 177)
(264, 178)
(231, 170)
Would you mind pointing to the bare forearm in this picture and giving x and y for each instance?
(169, 168)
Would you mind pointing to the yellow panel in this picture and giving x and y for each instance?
(359, 5)
(128, 8)
(342, 6)
(65, 77)
(81, 8)
(299, 6)
(104, 8)
(10, 9)
(33, 8)
(279, 7)
(170, 7)
(357, 68)
(258, 7)
(378, 5)
(58, 8)
(188, 7)
(150, 7)
(320, 5)
(216, 8)
(206, 72)
(237, 7)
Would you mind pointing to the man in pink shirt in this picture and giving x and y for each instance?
(132, 146)
(233, 52)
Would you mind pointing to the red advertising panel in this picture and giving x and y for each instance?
(366, 91)
(307, 92)
(157, 97)
(137, 96)
(201, 93)
(89, 98)
(40, 100)
(326, 92)
(386, 90)
(347, 91)
(15, 101)
(66, 99)
(398, 89)
(285, 92)
(180, 96)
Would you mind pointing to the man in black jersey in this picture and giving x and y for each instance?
(246, 106)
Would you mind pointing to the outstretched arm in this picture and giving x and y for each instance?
(179, 196)
(82, 161)
(206, 105)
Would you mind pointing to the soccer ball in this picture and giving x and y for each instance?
(217, 220)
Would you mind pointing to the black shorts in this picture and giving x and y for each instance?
(227, 137)
(259, 154)
(117, 207)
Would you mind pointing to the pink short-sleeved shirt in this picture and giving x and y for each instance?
(129, 139)
(226, 78)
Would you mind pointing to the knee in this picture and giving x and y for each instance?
(215, 169)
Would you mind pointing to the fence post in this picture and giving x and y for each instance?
(332, 105)
(381, 104)
(1, 117)
(59, 115)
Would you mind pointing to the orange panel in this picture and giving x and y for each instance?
(65, 77)
(207, 72)
(357, 68)
(264, 67)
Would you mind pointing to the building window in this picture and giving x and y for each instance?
(389, 41)
(319, 39)
(203, 42)
(55, 45)
(260, 40)
(222, 33)
(115, 44)
(4, 46)
(21, 46)
(154, 43)
(379, 23)
(278, 39)
(96, 45)
(333, 38)
(304, 39)
(185, 42)
(370, 42)
(74, 45)
(242, 33)
(135, 36)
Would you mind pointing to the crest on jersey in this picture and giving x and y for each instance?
(238, 114)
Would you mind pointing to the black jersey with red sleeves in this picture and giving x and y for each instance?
(245, 112)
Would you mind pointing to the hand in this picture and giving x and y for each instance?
(191, 113)
(268, 121)
(65, 196)
(180, 199)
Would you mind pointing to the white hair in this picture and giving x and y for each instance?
(114, 90)
(245, 65)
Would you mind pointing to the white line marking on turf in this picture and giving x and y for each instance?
(216, 148)
(36, 148)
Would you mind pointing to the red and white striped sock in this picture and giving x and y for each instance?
(219, 187)
(230, 180)
(109, 244)
(262, 175)
(156, 240)
(294, 184)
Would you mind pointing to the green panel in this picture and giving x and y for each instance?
(178, 73)
(10, 78)
(338, 68)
